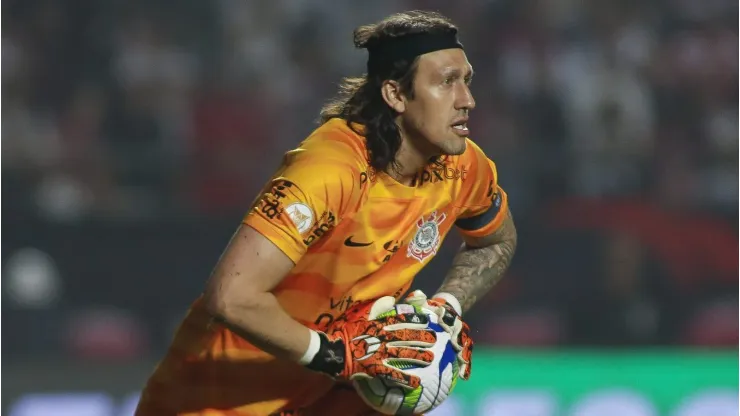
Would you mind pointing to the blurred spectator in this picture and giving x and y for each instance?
(227, 165)
(138, 135)
(149, 127)
(634, 304)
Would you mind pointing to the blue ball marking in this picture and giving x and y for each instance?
(448, 357)
(435, 327)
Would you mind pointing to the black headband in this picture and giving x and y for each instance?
(407, 48)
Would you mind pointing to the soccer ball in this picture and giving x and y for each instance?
(437, 380)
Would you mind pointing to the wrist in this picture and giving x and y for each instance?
(451, 300)
(313, 348)
(323, 355)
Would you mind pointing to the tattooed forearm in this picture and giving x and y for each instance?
(480, 264)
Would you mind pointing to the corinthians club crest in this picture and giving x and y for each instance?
(426, 240)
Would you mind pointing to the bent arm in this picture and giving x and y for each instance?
(238, 295)
(480, 264)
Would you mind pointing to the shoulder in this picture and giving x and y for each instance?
(480, 177)
(332, 142)
(329, 165)
(473, 163)
(333, 148)
(473, 154)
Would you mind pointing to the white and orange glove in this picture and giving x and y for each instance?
(373, 339)
(448, 307)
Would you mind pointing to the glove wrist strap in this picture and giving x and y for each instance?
(313, 348)
(329, 358)
(451, 300)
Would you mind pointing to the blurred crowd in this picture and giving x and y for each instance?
(613, 123)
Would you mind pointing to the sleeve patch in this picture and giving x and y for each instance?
(301, 215)
(270, 202)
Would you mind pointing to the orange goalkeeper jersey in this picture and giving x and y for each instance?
(354, 235)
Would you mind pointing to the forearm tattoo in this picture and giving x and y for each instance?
(475, 270)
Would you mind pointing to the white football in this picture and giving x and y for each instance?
(437, 380)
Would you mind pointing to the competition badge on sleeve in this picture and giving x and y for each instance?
(301, 215)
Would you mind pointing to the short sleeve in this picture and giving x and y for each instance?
(482, 203)
(301, 203)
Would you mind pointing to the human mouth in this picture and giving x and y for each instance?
(461, 128)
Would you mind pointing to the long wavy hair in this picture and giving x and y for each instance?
(360, 102)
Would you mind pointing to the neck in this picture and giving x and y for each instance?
(410, 160)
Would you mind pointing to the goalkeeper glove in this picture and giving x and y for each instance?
(375, 339)
(452, 323)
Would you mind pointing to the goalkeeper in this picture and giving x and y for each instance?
(336, 237)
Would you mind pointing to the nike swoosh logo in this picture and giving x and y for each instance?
(349, 243)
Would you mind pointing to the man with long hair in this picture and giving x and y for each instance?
(336, 238)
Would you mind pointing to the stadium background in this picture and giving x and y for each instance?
(136, 133)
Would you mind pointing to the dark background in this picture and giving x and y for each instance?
(135, 135)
